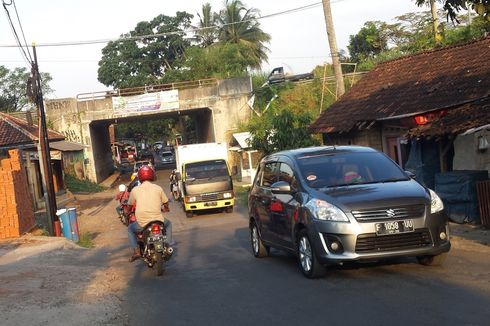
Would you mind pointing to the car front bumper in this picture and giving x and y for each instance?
(222, 203)
(359, 242)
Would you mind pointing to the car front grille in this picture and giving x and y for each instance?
(389, 213)
(368, 243)
(211, 197)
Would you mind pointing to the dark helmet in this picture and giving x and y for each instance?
(146, 173)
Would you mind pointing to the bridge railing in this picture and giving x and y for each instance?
(147, 89)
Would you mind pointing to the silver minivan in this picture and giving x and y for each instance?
(330, 205)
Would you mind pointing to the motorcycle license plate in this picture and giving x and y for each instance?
(394, 227)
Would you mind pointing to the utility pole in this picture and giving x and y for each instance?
(332, 41)
(45, 158)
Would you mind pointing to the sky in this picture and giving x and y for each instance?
(298, 40)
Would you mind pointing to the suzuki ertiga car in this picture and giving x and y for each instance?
(330, 205)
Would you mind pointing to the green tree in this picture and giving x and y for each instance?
(217, 61)
(13, 86)
(207, 32)
(149, 130)
(369, 41)
(131, 63)
(239, 25)
(281, 130)
(481, 7)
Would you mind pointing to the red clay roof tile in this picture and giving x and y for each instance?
(418, 83)
(15, 131)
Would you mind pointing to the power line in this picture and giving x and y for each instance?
(193, 30)
(16, 36)
(22, 30)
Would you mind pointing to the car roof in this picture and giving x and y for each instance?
(319, 150)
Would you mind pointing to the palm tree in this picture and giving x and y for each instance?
(207, 21)
(239, 25)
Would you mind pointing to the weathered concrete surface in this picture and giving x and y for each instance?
(87, 121)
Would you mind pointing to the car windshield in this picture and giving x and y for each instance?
(167, 154)
(207, 169)
(342, 169)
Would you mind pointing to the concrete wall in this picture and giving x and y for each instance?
(16, 214)
(226, 102)
(466, 154)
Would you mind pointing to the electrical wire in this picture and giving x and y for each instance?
(19, 43)
(22, 30)
(193, 30)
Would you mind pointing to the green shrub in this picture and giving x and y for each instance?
(86, 240)
(75, 185)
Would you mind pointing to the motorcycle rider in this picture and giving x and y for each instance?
(149, 199)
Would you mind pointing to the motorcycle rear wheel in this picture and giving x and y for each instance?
(159, 264)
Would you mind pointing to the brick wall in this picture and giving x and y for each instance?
(16, 215)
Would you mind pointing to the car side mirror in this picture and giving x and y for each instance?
(410, 174)
(281, 187)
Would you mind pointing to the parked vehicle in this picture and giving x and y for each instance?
(202, 177)
(330, 205)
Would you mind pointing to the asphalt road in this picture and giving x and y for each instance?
(213, 279)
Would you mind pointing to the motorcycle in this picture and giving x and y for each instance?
(123, 210)
(154, 248)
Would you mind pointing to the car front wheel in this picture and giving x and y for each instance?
(307, 260)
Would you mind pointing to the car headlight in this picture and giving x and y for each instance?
(227, 195)
(325, 211)
(436, 204)
(190, 199)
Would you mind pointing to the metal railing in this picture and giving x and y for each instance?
(147, 89)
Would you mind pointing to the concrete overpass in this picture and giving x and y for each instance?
(217, 105)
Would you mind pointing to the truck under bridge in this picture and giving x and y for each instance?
(218, 106)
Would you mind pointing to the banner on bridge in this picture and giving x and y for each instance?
(148, 102)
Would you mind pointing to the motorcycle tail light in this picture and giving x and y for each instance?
(155, 229)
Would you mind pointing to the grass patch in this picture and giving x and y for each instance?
(75, 185)
(86, 240)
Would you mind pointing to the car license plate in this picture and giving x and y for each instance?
(210, 204)
(394, 227)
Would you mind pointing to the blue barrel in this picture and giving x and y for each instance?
(69, 224)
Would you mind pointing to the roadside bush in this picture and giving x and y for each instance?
(76, 186)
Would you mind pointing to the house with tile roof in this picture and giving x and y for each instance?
(430, 112)
(432, 97)
(23, 134)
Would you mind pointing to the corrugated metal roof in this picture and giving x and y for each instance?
(423, 82)
(241, 138)
(67, 146)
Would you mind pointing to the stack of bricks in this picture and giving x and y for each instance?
(16, 215)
